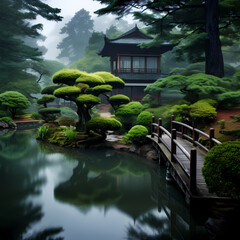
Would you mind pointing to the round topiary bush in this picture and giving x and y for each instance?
(66, 121)
(145, 119)
(221, 169)
(102, 124)
(136, 134)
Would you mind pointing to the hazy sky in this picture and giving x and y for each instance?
(68, 9)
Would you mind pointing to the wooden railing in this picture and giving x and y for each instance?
(157, 130)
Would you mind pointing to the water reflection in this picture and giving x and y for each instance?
(49, 192)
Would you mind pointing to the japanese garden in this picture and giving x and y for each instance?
(120, 122)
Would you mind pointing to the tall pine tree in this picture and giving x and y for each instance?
(78, 31)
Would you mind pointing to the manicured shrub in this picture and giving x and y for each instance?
(66, 111)
(14, 101)
(90, 79)
(36, 116)
(4, 113)
(45, 99)
(221, 169)
(144, 119)
(65, 92)
(50, 89)
(136, 134)
(110, 79)
(118, 100)
(49, 114)
(202, 112)
(7, 120)
(222, 123)
(102, 124)
(97, 90)
(127, 114)
(66, 121)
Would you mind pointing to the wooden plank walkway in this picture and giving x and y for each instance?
(184, 157)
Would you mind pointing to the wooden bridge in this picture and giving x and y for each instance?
(184, 155)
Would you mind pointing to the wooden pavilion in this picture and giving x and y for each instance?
(137, 66)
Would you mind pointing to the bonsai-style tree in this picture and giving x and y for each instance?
(13, 101)
(46, 112)
(195, 87)
(84, 89)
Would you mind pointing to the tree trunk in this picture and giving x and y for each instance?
(213, 53)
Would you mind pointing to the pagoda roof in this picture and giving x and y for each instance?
(128, 43)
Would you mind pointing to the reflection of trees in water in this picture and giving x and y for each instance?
(19, 179)
(46, 234)
(106, 177)
(150, 227)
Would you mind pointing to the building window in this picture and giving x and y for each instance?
(138, 64)
(125, 64)
(152, 64)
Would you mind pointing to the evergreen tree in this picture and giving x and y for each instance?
(78, 31)
(200, 24)
(15, 49)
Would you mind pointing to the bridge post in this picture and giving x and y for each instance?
(173, 144)
(195, 134)
(152, 127)
(193, 170)
(159, 130)
(211, 136)
(172, 119)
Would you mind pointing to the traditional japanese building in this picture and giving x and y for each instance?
(137, 66)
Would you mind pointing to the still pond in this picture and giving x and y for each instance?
(49, 192)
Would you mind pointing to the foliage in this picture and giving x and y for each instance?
(229, 99)
(136, 134)
(195, 87)
(13, 101)
(119, 99)
(221, 169)
(4, 113)
(149, 100)
(36, 116)
(78, 31)
(110, 79)
(45, 99)
(66, 111)
(92, 62)
(67, 93)
(70, 132)
(50, 89)
(42, 131)
(144, 119)
(202, 112)
(49, 114)
(222, 123)
(195, 26)
(66, 121)
(102, 124)
(67, 76)
(7, 120)
(84, 89)
(127, 114)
